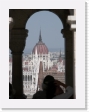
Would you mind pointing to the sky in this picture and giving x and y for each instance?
(50, 26)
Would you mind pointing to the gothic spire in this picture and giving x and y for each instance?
(60, 53)
(40, 38)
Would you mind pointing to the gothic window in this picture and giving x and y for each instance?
(34, 80)
(28, 78)
(25, 77)
(26, 63)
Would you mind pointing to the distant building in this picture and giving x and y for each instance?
(37, 65)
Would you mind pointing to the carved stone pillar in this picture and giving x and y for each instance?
(17, 44)
(11, 23)
(72, 21)
(69, 54)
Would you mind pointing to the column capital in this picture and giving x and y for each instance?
(11, 23)
(17, 40)
(67, 33)
(72, 21)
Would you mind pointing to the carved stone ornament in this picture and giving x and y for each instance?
(17, 41)
(67, 33)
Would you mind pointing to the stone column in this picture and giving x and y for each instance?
(72, 21)
(17, 44)
(11, 23)
(69, 56)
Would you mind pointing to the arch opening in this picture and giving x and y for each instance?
(21, 25)
(44, 43)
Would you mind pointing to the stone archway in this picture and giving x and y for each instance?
(18, 38)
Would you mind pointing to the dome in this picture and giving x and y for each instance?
(40, 47)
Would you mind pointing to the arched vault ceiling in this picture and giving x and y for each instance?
(21, 16)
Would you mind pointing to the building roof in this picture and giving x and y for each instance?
(53, 68)
(40, 47)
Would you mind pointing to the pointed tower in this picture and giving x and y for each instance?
(60, 53)
(60, 57)
(40, 38)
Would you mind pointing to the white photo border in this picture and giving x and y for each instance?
(79, 102)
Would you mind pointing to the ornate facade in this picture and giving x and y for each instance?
(35, 65)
